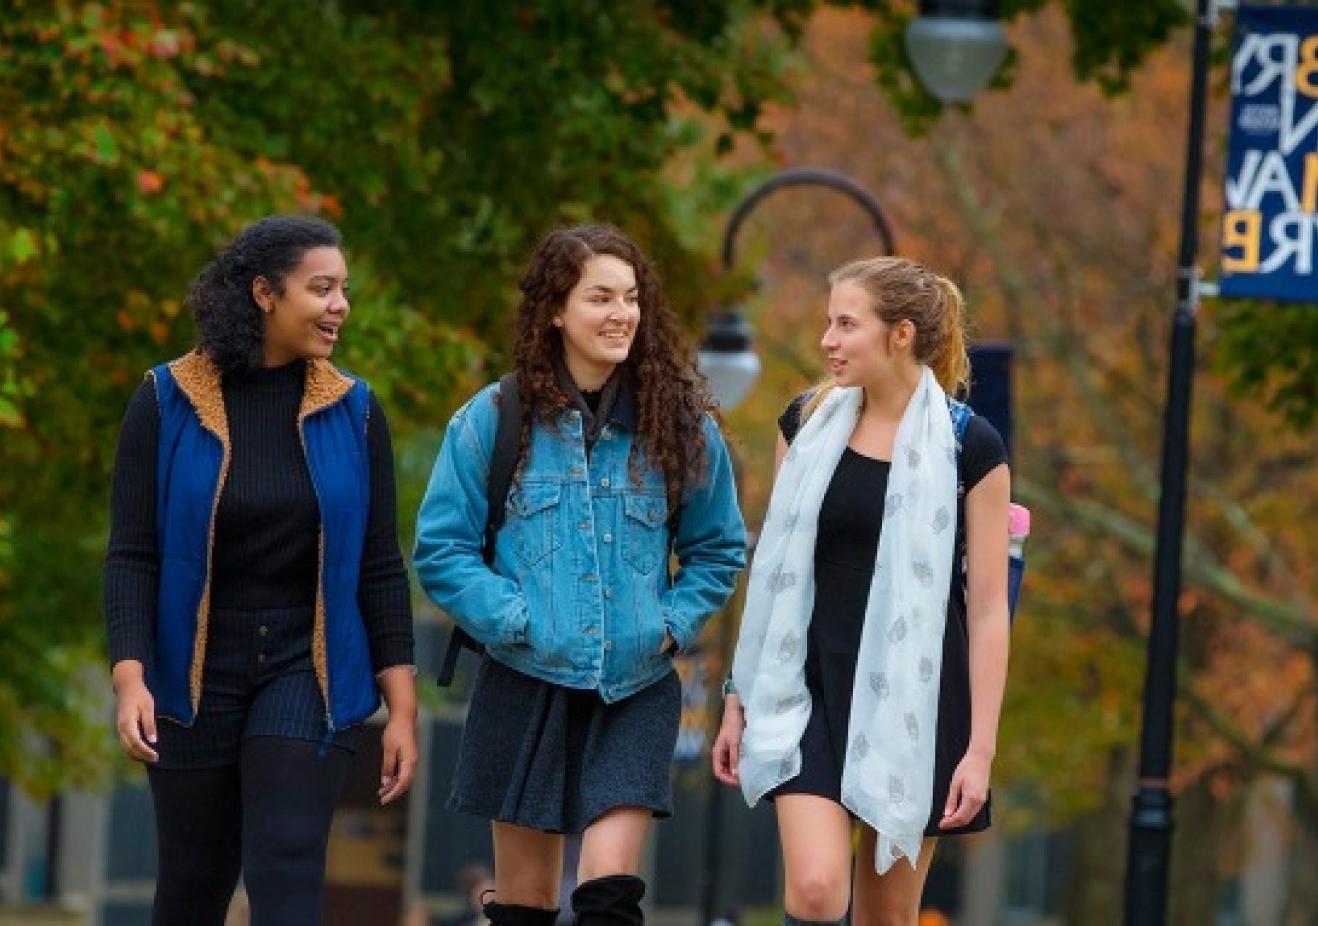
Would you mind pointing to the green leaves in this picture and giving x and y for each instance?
(21, 246)
(1271, 350)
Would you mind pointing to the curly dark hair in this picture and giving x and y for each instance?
(671, 395)
(229, 326)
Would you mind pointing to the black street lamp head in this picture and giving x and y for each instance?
(956, 46)
(727, 359)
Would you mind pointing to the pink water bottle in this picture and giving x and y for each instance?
(1018, 531)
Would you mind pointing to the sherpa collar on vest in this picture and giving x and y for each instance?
(200, 379)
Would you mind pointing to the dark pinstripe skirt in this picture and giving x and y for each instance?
(259, 680)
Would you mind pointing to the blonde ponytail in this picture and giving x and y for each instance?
(948, 359)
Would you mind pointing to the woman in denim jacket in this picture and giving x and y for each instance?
(575, 707)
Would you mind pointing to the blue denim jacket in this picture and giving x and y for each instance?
(579, 594)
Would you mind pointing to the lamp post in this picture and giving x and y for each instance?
(728, 360)
(1149, 853)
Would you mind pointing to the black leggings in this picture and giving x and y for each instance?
(267, 817)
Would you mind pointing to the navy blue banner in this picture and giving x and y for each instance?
(1270, 226)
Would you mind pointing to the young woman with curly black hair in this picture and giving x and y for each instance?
(574, 711)
(256, 601)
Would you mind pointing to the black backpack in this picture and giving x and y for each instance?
(503, 463)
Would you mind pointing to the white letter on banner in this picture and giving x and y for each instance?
(1300, 246)
(1291, 133)
(1256, 47)
(1273, 178)
(1237, 188)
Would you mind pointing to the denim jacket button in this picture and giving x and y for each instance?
(604, 483)
(608, 538)
(608, 646)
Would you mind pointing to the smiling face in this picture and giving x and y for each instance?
(303, 320)
(598, 320)
(863, 349)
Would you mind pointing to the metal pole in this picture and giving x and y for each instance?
(1149, 855)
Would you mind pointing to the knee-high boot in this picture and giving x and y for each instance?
(614, 900)
(511, 914)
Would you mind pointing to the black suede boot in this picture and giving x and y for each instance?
(511, 914)
(614, 900)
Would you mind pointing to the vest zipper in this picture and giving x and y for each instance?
(322, 614)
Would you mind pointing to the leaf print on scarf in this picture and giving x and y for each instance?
(788, 647)
(926, 669)
(912, 726)
(897, 632)
(786, 704)
(924, 572)
(896, 789)
(860, 748)
(780, 581)
(879, 685)
(942, 520)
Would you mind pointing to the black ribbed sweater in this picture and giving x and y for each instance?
(267, 524)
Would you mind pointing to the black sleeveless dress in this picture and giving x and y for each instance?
(850, 521)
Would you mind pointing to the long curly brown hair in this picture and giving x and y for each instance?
(671, 396)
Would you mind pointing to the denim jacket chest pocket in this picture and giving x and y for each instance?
(534, 510)
(645, 539)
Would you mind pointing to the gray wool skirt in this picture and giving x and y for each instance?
(556, 759)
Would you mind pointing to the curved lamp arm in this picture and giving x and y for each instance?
(808, 176)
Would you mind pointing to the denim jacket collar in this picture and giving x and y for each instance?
(622, 410)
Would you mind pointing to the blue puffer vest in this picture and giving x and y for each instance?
(192, 462)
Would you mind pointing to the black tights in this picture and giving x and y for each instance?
(267, 817)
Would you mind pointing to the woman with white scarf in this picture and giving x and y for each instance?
(872, 656)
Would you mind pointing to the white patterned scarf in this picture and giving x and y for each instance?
(888, 776)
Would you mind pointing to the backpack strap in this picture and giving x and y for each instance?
(503, 460)
(790, 421)
(503, 464)
(961, 413)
